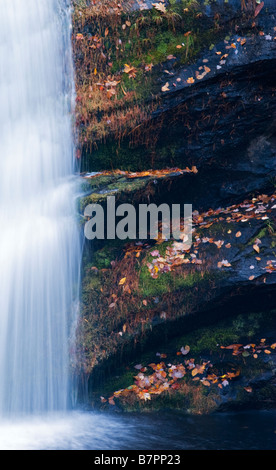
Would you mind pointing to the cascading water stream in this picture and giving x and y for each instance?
(39, 240)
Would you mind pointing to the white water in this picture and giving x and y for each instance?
(39, 241)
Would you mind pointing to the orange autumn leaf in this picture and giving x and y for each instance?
(190, 80)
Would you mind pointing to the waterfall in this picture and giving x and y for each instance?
(39, 239)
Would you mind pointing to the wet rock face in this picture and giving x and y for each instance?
(225, 128)
(224, 123)
(217, 113)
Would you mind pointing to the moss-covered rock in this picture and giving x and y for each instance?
(185, 88)
(227, 379)
(136, 294)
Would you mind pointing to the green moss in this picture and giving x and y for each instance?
(168, 282)
(261, 234)
(103, 257)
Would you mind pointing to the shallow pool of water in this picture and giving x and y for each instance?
(252, 430)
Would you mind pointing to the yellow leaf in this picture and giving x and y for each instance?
(256, 248)
(122, 281)
(165, 87)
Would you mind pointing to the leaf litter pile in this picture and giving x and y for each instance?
(160, 377)
(259, 208)
(143, 174)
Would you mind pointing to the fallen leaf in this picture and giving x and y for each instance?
(258, 9)
(225, 263)
(160, 7)
(165, 87)
(185, 350)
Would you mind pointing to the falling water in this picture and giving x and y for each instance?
(39, 242)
